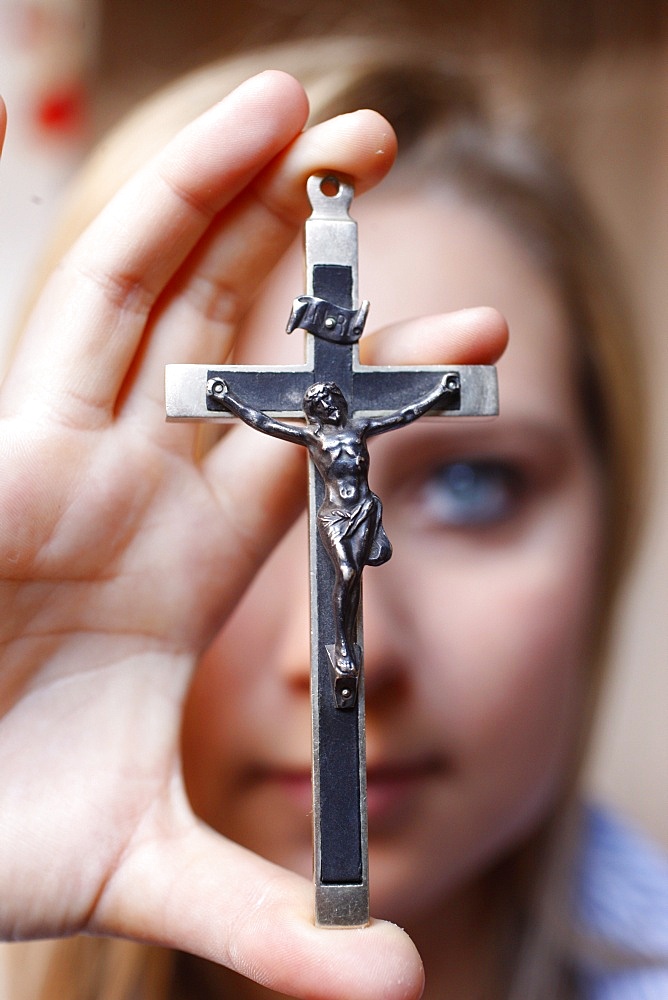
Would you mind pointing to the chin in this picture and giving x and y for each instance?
(397, 887)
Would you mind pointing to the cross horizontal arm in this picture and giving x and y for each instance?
(384, 390)
(280, 391)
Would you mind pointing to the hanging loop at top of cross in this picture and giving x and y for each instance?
(331, 242)
(329, 196)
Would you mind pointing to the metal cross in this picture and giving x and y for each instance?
(374, 399)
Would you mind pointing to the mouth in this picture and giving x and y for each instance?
(391, 787)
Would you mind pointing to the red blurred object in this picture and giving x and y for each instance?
(64, 111)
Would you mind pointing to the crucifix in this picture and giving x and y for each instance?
(344, 404)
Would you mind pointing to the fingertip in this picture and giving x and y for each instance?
(476, 336)
(270, 107)
(359, 146)
(377, 962)
(282, 87)
(374, 143)
(407, 981)
(487, 332)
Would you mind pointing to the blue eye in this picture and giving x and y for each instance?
(472, 493)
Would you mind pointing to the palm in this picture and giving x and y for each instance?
(116, 591)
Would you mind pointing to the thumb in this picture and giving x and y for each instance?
(200, 893)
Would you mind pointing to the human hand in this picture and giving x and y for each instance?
(112, 540)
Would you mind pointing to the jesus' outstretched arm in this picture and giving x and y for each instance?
(447, 386)
(220, 390)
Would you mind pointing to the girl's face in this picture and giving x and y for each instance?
(476, 631)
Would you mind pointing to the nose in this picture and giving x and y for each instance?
(386, 642)
(385, 638)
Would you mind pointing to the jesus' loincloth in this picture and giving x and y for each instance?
(361, 526)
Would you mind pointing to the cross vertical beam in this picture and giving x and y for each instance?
(340, 835)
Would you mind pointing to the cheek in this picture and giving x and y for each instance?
(250, 692)
(510, 632)
(497, 647)
(521, 712)
(504, 636)
(206, 734)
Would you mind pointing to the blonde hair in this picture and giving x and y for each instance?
(448, 134)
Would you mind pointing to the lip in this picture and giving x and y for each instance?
(295, 785)
(390, 786)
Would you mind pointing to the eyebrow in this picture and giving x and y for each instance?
(503, 427)
(481, 436)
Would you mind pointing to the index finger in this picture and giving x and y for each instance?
(97, 302)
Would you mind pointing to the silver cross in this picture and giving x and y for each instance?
(344, 403)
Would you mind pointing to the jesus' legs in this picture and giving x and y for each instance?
(346, 600)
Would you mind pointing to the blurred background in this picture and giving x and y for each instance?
(592, 77)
